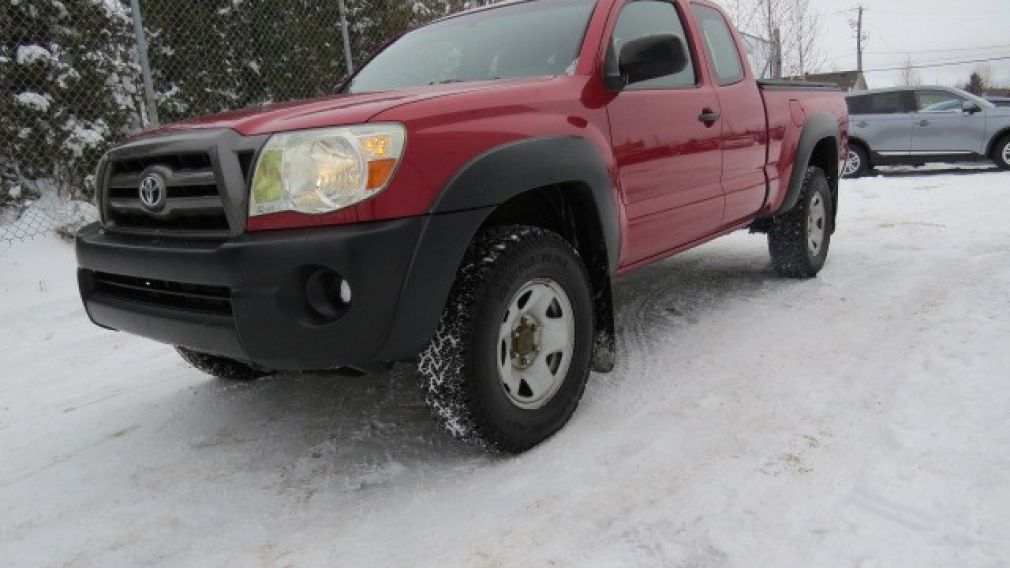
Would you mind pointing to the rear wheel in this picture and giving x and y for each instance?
(221, 367)
(511, 356)
(1001, 153)
(857, 163)
(799, 240)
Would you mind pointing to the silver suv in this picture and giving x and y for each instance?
(916, 125)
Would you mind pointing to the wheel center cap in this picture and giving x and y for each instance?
(525, 342)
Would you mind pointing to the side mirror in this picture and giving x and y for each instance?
(970, 107)
(647, 58)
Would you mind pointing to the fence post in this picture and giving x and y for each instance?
(345, 35)
(145, 65)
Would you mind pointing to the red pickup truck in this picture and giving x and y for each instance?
(465, 201)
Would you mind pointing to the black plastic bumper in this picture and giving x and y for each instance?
(399, 272)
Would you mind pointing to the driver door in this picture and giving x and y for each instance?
(941, 127)
(669, 160)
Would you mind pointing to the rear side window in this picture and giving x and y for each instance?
(643, 18)
(720, 45)
(879, 103)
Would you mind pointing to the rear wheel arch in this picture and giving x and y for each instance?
(993, 145)
(818, 146)
(854, 141)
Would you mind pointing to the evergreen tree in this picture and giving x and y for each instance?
(66, 92)
(976, 84)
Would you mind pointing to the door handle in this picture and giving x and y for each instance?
(708, 116)
(862, 124)
(923, 123)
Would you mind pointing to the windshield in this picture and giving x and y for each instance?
(516, 40)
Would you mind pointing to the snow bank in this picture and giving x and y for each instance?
(47, 215)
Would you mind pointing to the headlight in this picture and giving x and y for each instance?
(318, 171)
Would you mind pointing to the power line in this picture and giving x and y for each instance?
(939, 64)
(982, 48)
(913, 52)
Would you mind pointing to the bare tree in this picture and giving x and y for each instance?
(793, 22)
(909, 74)
(801, 50)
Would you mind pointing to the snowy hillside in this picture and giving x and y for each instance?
(859, 419)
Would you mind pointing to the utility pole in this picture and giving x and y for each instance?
(859, 40)
(145, 66)
(777, 54)
(345, 36)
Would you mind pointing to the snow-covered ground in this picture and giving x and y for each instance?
(858, 419)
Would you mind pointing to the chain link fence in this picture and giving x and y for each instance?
(77, 75)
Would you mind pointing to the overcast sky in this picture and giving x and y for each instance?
(929, 30)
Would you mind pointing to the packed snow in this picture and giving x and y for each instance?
(857, 419)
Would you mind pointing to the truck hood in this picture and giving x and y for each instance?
(333, 110)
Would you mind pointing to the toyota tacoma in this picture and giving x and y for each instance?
(464, 201)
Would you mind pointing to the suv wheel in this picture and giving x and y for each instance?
(511, 356)
(221, 367)
(1001, 153)
(857, 163)
(799, 240)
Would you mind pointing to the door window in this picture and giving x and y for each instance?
(642, 18)
(937, 101)
(720, 45)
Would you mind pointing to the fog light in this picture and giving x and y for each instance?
(328, 293)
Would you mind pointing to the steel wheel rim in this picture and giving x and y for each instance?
(1006, 153)
(536, 343)
(852, 163)
(816, 224)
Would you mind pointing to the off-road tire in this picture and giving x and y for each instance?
(221, 367)
(458, 371)
(788, 242)
(864, 161)
(1001, 153)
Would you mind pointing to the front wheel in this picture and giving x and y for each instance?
(511, 355)
(799, 239)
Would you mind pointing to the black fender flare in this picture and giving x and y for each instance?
(465, 203)
(817, 128)
(506, 171)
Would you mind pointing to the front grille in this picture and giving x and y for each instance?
(214, 300)
(193, 206)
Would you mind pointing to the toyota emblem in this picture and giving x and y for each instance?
(152, 192)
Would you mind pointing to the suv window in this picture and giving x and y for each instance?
(514, 40)
(720, 45)
(642, 18)
(894, 102)
(937, 101)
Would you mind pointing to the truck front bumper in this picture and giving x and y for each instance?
(349, 295)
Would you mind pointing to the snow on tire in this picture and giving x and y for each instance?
(511, 355)
(799, 240)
